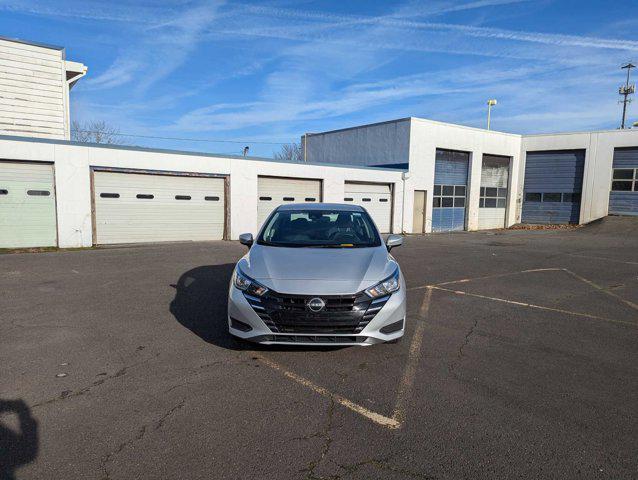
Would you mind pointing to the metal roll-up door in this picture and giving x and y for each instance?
(274, 191)
(134, 208)
(623, 197)
(493, 196)
(376, 198)
(450, 190)
(27, 205)
(553, 186)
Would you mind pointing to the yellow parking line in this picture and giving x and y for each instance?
(410, 369)
(496, 275)
(602, 289)
(539, 307)
(369, 414)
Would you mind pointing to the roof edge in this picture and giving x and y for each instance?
(187, 152)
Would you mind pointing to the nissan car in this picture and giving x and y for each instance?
(318, 274)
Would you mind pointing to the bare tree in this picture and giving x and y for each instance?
(290, 152)
(96, 131)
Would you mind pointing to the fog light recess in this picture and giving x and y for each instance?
(393, 327)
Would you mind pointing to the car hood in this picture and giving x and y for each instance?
(327, 271)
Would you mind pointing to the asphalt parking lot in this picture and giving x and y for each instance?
(520, 361)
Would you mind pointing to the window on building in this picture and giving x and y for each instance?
(449, 196)
(182, 197)
(109, 195)
(3, 191)
(366, 199)
(383, 199)
(38, 193)
(311, 199)
(571, 197)
(216, 199)
(289, 199)
(625, 180)
(552, 197)
(145, 196)
(533, 197)
(348, 199)
(265, 199)
(493, 197)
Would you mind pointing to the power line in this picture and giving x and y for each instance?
(209, 140)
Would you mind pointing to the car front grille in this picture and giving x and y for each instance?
(342, 314)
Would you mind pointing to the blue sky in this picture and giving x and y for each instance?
(270, 71)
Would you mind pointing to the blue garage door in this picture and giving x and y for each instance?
(623, 198)
(553, 184)
(450, 190)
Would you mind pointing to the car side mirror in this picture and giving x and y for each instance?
(393, 241)
(246, 239)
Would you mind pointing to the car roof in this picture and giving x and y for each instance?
(321, 206)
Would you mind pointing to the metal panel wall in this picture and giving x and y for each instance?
(27, 205)
(450, 170)
(552, 188)
(625, 202)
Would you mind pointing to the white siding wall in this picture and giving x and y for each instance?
(33, 91)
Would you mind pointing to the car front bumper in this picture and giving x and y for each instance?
(243, 322)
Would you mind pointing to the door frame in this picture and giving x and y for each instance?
(425, 211)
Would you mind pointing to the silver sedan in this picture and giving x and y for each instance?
(318, 274)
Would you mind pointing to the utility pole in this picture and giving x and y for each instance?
(626, 90)
(490, 104)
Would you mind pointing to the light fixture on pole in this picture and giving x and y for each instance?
(490, 103)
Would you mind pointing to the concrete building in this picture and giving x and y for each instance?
(35, 81)
(463, 178)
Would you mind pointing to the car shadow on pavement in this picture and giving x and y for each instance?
(18, 447)
(201, 305)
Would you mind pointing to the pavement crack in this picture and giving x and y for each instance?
(453, 366)
(326, 433)
(141, 433)
(170, 412)
(67, 394)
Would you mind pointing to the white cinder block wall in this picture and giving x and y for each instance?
(387, 141)
(426, 136)
(72, 163)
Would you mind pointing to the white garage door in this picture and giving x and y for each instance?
(493, 199)
(274, 191)
(27, 205)
(375, 198)
(132, 208)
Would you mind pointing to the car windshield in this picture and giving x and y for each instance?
(319, 228)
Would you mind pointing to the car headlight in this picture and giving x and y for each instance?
(247, 284)
(385, 287)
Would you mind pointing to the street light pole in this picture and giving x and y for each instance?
(490, 103)
(625, 91)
